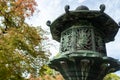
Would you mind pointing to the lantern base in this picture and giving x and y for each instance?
(74, 67)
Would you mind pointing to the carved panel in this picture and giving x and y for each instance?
(83, 39)
(66, 40)
(100, 44)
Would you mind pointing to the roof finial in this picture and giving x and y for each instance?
(119, 24)
(82, 7)
(67, 7)
(102, 8)
(48, 23)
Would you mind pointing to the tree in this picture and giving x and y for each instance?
(14, 12)
(49, 74)
(112, 76)
(58, 76)
(20, 44)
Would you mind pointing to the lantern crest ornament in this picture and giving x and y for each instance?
(82, 34)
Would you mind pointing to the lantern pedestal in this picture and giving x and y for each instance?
(75, 67)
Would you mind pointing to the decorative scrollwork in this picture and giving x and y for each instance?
(83, 39)
(100, 44)
(66, 41)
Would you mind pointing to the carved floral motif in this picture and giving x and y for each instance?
(83, 39)
(100, 44)
(66, 41)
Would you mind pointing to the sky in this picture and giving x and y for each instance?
(51, 9)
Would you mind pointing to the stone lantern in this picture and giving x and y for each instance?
(82, 34)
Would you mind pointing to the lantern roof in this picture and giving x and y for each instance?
(100, 20)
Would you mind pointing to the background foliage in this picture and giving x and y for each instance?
(21, 51)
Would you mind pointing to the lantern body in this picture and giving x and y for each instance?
(82, 38)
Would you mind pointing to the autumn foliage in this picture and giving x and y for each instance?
(20, 44)
(49, 77)
(111, 76)
(20, 52)
(14, 12)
